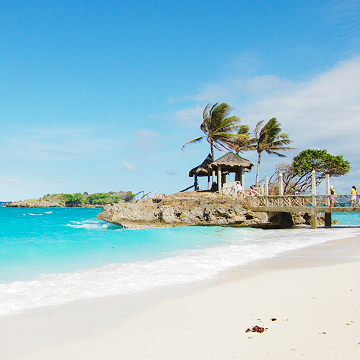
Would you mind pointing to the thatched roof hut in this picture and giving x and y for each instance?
(203, 169)
(231, 162)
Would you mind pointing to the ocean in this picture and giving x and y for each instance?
(52, 256)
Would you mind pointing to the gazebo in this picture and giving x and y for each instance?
(202, 170)
(231, 163)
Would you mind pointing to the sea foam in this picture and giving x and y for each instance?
(240, 246)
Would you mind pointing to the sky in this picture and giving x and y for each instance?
(100, 96)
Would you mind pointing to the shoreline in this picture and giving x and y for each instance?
(263, 289)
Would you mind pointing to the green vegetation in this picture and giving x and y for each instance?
(218, 127)
(243, 141)
(97, 199)
(298, 173)
(224, 132)
(269, 139)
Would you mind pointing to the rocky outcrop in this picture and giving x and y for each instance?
(184, 209)
(52, 202)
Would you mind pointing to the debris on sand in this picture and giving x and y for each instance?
(256, 328)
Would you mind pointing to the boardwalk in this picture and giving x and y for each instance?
(302, 203)
(311, 204)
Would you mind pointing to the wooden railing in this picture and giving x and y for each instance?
(298, 200)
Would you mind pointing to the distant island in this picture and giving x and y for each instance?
(74, 200)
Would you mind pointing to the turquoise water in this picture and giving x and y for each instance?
(347, 219)
(52, 256)
(44, 241)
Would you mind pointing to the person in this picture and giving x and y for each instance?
(252, 191)
(239, 187)
(353, 196)
(294, 192)
(332, 195)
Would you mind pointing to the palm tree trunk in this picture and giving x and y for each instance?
(257, 170)
(213, 159)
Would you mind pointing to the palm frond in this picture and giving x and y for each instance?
(193, 142)
(273, 152)
(257, 129)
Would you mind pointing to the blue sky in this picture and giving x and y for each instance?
(101, 95)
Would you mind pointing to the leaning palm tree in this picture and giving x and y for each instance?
(217, 126)
(269, 139)
(242, 141)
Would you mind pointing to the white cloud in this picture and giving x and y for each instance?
(59, 180)
(171, 172)
(55, 142)
(321, 112)
(10, 181)
(147, 141)
(129, 166)
(190, 116)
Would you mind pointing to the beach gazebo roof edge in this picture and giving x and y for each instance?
(203, 169)
(231, 161)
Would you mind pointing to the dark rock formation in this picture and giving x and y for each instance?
(279, 220)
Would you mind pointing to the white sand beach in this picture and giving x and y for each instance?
(308, 301)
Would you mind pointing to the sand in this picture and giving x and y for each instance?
(308, 302)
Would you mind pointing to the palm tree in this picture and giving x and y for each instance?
(242, 141)
(269, 139)
(217, 126)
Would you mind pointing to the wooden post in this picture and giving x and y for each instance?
(327, 179)
(313, 219)
(209, 182)
(281, 185)
(313, 190)
(281, 189)
(219, 179)
(266, 190)
(328, 219)
(242, 177)
(327, 215)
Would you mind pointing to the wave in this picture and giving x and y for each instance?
(180, 267)
(89, 224)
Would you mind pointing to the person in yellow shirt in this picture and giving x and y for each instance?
(332, 196)
(353, 196)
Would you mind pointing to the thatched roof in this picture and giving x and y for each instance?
(202, 169)
(231, 162)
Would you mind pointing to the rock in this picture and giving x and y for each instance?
(182, 209)
(280, 220)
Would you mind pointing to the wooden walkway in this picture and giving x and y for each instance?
(311, 204)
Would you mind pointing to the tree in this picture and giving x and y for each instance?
(217, 126)
(298, 173)
(269, 139)
(243, 142)
(74, 200)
